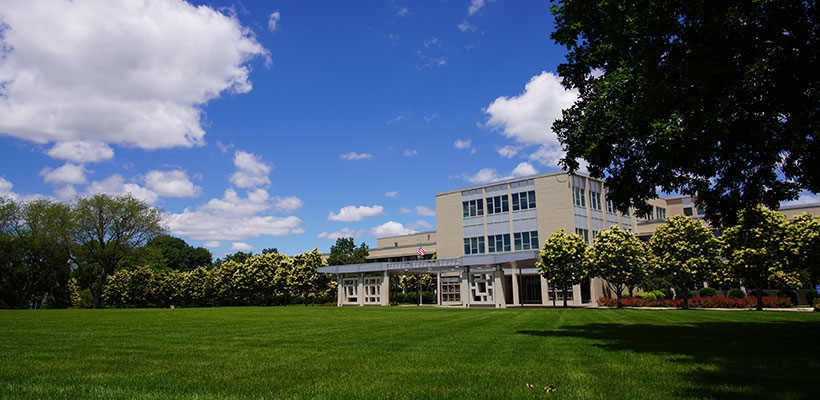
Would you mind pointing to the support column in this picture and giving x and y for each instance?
(438, 288)
(340, 293)
(515, 289)
(498, 288)
(576, 294)
(465, 287)
(360, 294)
(545, 297)
(385, 288)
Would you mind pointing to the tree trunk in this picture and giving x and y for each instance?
(565, 296)
(685, 299)
(618, 295)
(759, 300)
(95, 303)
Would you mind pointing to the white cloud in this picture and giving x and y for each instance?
(353, 213)
(420, 224)
(5, 188)
(405, 210)
(804, 199)
(410, 152)
(524, 169)
(465, 26)
(355, 156)
(68, 173)
(212, 244)
(391, 194)
(475, 6)
(251, 171)
(390, 228)
(463, 144)
(287, 204)
(239, 246)
(341, 233)
(397, 119)
(203, 225)
(527, 118)
(119, 71)
(507, 151)
(171, 184)
(66, 193)
(273, 21)
(115, 184)
(425, 211)
(431, 117)
(232, 205)
(81, 152)
(433, 42)
(484, 175)
(403, 12)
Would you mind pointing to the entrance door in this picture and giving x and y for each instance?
(531, 289)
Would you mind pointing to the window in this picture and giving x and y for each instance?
(700, 211)
(610, 207)
(687, 211)
(474, 245)
(595, 200)
(498, 243)
(649, 215)
(526, 240)
(523, 200)
(578, 196)
(450, 289)
(594, 234)
(660, 213)
(497, 205)
(583, 233)
(473, 208)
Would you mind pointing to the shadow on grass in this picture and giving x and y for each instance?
(744, 361)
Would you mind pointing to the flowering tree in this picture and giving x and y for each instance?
(619, 258)
(757, 252)
(685, 253)
(303, 279)
(564, 261)
(804, 243)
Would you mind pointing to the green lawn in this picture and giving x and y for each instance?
(407, 352)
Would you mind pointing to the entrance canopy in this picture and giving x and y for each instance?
(433, 266)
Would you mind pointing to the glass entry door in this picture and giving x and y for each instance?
(530, 289)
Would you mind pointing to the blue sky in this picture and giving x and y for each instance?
(276, 123)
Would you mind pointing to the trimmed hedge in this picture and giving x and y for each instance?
(701, 302)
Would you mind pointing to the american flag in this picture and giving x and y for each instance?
(421, 252)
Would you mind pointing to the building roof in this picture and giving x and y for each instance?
(510, 180)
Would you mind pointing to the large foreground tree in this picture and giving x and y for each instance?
(105, 229)
(716, 99)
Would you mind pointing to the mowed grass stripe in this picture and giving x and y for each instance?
(406, 352)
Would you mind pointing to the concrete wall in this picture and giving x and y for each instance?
(449, 229)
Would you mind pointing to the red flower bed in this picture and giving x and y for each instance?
(700, 302)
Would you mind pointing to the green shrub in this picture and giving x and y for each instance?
(736, 293)
(653, 295)
(789, 294)
(810, 296)
(298, 300)
(428, 298)
(817, 304)
(707, 292)
(86, 299)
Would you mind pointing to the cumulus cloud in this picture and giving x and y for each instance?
(355, 156)
(391, 194)
(527, 118)
(428, 118)
(524, 169)
(405, 210)
(464, 144)
(251, 171)
(232, 205)
(68, 173)
(425, 211)
(420, 224)
(273, 21)
(287, 204)
(212, 244)
(128, 72)
(5, 188)
(353, 213)
(403, 12)
(486, 175)
(81, 151)
(410, 152)
(171, 184)
(115, 185)
(65, 193)
(804, 199)
(465, 26)
(390, 228)
(507, 151)
(341, 233)
(475, 6)
(239, 246)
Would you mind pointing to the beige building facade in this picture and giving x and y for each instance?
(488, 237)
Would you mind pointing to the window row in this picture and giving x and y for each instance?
(499, 204)
(473, 208)
(450, 291)
(526, 240)
(474, 245)
(498, 243)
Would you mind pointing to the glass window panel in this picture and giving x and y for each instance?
(531, 196)
(480, 206)
(515, 204)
